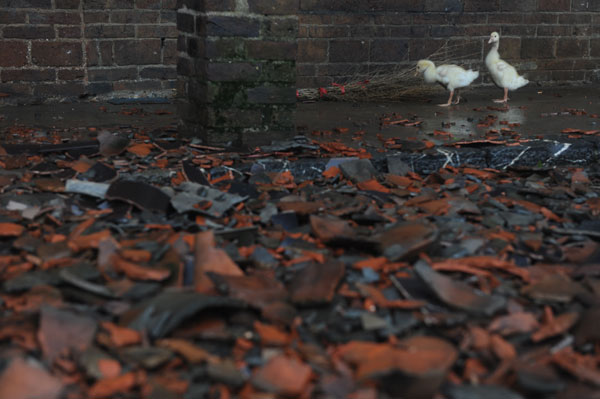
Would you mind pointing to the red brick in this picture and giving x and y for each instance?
(575, 48)
(92, 53)
(232, 26)
(505, 18)
(281, 27)
(207, 5)
(68, 89)
(27, 4)
(443, 5)
(57, 17)
(109, 31)
(270, 50)
(306, 69)
(540, 18)
(274, 7)
(532, 48)
(369, 31)
(29, 32)
(233, 72)
(423, 48)
(569, 75)
(554, 30)
(134, 17)
(69, 4)
(137, 52)
(586, 5)
(348, 50)
(70, 32)
(95, 17)
(329, 31)
(572, 18)
(56, 53)
(412, 31)
(392, 50)
(12, 17)
(510, 47)
(519, 30)
(163, 72)
(482, 5)
(554, 5)
(595, 47)
(186, 22)
(106, 53)
(312, 50)
(112, 74)
(14, 54)
(393, 19)
(156, 31)
(149, 85)
(28, 75)
(71, 74)
(152, 4)
(170, 53)
(518, 5)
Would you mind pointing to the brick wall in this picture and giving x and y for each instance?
(237, 68)
(553, 41)
(54, 49)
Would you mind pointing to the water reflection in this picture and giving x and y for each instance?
(464, 124)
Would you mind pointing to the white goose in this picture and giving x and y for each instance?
(503, 74)
(452, 77)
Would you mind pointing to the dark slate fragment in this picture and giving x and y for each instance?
(142, 195)
(26, 281)
(396, 166)
(539, 378)
(358, 170)
(163, 313)
(480, 392)
(194, 174)
(99, 172)
(316, 283)
(459, 294)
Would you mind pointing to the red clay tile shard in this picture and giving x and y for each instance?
(328, 229)
(8, 229)
(283, 376)
(142, 195)
(421, 362)
(193, 354)
(515, 323)
(554, 326)
(301, 207)
(141, 150)
(554, 287)
(211, 259)
(121, 336)
(137, 272)
(316, 283)
(580, 366)
(458, 294)
(259, 289)
(406, 240)
(27, 379)
(63, 330)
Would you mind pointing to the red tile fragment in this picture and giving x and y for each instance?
(27, 379)
(283, 375)
(11, 229)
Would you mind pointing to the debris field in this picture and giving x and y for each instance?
(141, 265)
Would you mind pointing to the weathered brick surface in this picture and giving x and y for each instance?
(237, 70)
(67, 48)
(337, 38)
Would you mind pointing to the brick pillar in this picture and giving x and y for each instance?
(237, 68)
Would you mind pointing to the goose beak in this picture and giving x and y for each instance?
(491, 40)
(416, 72)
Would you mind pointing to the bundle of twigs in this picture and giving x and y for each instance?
(390, 84)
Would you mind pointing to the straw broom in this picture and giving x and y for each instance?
(397, 84)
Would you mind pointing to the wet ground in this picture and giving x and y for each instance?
(532, 112)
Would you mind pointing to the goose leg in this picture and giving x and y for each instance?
(457, 97)
(449, 100)
(505, 99)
